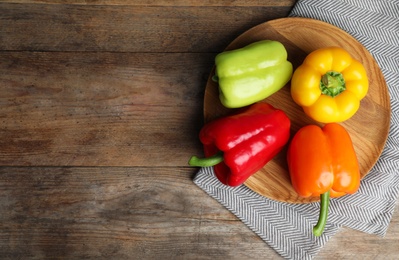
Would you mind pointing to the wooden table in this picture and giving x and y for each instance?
(100, 109)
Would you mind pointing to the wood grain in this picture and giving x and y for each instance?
(92, 109)
(299, 35)
(138, 213)
(79, 72)
(194, 3)
(116, 213)
(115, 28)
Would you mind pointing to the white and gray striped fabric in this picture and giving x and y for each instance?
(287, 227)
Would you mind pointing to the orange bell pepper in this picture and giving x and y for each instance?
(322, 162)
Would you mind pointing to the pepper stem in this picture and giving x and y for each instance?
(332, 83)
(206, 162)
(215, 78)
(324, 201)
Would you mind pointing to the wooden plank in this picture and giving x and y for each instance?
(139, 213)
(92, 109)
(116, 213)
(48, 27)
(353, 244)
(289, 3)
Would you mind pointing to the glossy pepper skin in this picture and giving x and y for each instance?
(242, 143)
(322, 162)
(252, 73)
(329, 85)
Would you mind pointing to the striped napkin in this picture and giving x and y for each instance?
(288, 227)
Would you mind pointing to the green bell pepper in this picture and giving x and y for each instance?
(252, 73)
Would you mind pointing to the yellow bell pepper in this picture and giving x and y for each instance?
(329, 85)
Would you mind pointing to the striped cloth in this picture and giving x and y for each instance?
(288, 227)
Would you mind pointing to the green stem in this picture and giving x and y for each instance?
(324, 201)
(332, 83)
(215, 78)
(206, 162)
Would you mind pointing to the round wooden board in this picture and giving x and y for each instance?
(368, 128)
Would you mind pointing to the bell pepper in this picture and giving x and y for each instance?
(239, 145)
(252, 73)
(322, 162)
(329, 85)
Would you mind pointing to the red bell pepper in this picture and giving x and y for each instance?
(241, 144)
